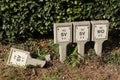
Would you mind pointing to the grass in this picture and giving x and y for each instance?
(39, 49)
(9, 74)
(59, 68)
(74, 64)
(51, 77)
(114, 58)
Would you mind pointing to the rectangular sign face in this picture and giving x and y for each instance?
(17, 57)
(63, 34)
(82, 33)
(100, 31)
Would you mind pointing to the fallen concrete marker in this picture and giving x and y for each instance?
(22, 58)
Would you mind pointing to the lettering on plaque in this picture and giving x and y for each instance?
(17, 57)
(100, 31)
(63, 34)
(82, 33)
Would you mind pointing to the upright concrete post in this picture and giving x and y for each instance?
(99, 34)
(62, 51)
(81, 35)
(62, 36)
(81, 48)
(98, 47)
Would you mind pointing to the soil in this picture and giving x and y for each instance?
(54, 70)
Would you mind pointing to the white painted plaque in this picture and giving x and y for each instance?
(82, 33)
(100, 31)
(17, 57)
(63, 34)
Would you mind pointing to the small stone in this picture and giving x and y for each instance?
(47, 57)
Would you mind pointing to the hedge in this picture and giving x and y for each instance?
(23, 19)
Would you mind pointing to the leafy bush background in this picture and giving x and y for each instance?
(23, 19)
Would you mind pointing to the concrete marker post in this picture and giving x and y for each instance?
(81, 48)
(62, 51)
(62, 36)
(22, 58)
(98, 47)
(81, 35)
(99, 34)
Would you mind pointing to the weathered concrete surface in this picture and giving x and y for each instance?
(22, 58)
(99, 34)
(81, 34)
(35, 62)
(62, 51)
(81, 49)
(47, 57)
(98, 47)
(62, 36)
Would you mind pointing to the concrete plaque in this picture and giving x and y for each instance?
(22, 58)
(82, 33)
(62, 33)
(17, 57)
(100, 31)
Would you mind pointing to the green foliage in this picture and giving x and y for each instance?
(55, 47)
(55, 50)
(73, 58)
(114, 58)
(37, 49)
(23, 19)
